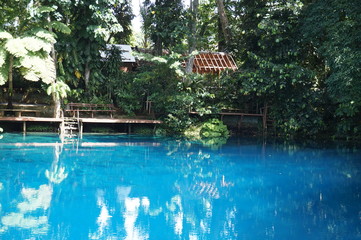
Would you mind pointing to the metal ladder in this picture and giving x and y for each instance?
(69, 130)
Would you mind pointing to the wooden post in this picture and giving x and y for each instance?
(264, 118)
(80, 123)
(24, 127)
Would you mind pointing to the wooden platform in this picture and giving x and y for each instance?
(29, 119)
(120, 120)
(127, 121)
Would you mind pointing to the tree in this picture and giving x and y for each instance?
(25, 46)
(274, 66)
(193, 34)
(332, 30)
(124, 15)
(166, 22)
(223, 22)
(93, 24)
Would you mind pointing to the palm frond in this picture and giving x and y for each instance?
(61, 27)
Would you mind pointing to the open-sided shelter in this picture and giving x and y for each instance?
(213, 62)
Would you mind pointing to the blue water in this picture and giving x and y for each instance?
(128, 187)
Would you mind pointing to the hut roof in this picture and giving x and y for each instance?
(126, 52)
(213, 62)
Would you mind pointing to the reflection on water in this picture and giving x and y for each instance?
(143, 188)
(32, 209)
(33, 199)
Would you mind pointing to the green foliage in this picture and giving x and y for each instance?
(214, 128)
(93, 24)
(143, 130)
(299, 57)
(41, 128)
(60, 27)
(59, 88)
(335, 40)
(165, 20)
(3, 66)
(31, 55)
(98, 129)
(212, 133)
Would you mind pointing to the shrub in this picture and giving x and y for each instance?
(213, 128)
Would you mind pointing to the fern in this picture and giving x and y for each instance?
(34, 44)
(61, 27)
(3, 75)
(35, 68)
(16, 47)
(3, 56)
(31, 55)
(5, 35)
(3, 66)
(45, 35)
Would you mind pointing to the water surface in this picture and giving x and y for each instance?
(131, 187)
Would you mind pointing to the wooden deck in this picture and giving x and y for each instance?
(120, 120)
(128, 121)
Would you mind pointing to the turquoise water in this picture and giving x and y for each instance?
(128, 187)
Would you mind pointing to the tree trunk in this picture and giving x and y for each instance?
(86, 75)
(56, 99)
(224, 21)
(193, 25)
(158, 46)
(11, 86)
(193, 34)
(189, 67)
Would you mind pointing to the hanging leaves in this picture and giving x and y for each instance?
(59, 88)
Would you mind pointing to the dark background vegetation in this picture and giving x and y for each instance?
(300, 57)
